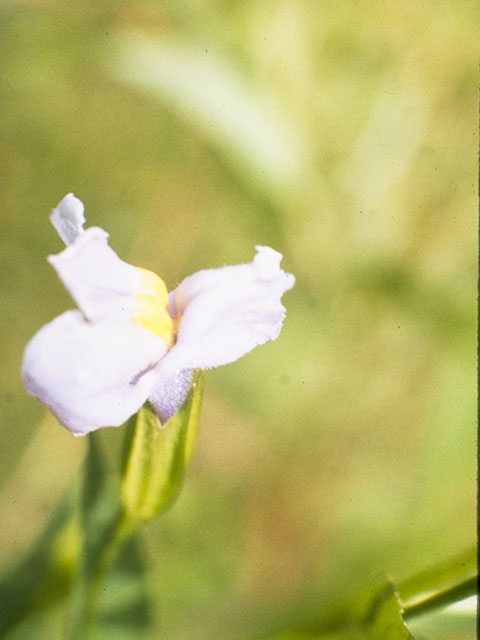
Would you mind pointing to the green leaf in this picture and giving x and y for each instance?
(103, 529)
(374, 615)
(345, 633)
(441, 606)
(380, 614)
(441, 577)
(124, 610)
(44, 576)
(158, 456)
(440, 602)
(75, 554)
(155, 460)
(454, 622)
(441, 599)
(251, 130)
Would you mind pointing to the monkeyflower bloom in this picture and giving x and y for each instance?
(130, 341)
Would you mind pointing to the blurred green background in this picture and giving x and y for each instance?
(345, 136)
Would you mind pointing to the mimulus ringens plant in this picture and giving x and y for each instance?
(131, 341)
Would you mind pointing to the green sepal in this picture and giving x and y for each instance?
(157, 456)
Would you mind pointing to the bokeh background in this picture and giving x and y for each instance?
(345, 136)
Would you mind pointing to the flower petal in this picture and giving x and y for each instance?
(168, 394)
(101, 284)
(91, 374)
(68, 218)
(226, 312)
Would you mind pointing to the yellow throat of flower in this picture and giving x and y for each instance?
(151, 307)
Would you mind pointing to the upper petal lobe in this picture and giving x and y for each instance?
(226, 312)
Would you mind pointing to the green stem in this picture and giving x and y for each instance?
(454, 594)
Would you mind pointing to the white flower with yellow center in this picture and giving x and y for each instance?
(130, 341)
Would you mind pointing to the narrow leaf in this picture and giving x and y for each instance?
(441, 577)
(250, 129)
(124, 609)
(380, 614)
(158, 456)
(452, 622)
(103, 529)
(44, 576)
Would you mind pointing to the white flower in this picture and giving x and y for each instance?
(130, 341)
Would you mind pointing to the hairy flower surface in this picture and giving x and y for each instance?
(130, 341)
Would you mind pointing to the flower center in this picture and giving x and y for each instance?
(151, 307)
